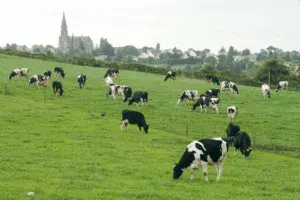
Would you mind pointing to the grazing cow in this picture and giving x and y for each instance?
(212, 78)
(124, 91)
(134, 117)
(229, 86)
(171, 75)
(242, 140)
(47, 73)
(232, 112)
(139, 96)
(188, 95)
(81, 80)
(59, 72)
(57, 87)
(204, 152)
(283, 85)
(19, 72)
(213, 92)
(112, 73)
(39, 80)
(206, 101)
(265, 89)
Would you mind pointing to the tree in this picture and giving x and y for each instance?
(222, 51)
(210, 61)
(106, 48)
(276, 68)
(246, 52)
(157, 48)
(208, 69)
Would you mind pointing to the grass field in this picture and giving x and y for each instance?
(71, 147)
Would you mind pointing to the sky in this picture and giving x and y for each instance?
(197, 24)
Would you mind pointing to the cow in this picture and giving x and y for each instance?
(265, 89)
(59, 72)
(213, 92)
(81, 80)
(108, 81)
(112, 73)
(124, 91)
(229, 86)
(19, 72)
(39, 80)
(206, 101)
(139, 96)
(171, 75)
(232, 112)
(212, 78)
(283, 85)
(134, 117)
(242, 140)
(47, 73)
(188, 95)
(203, 153)
(57, 87)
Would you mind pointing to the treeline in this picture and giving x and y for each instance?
(277, 70)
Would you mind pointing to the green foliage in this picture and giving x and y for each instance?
(106, 48)
(246, 52)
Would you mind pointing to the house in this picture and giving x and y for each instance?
(147, 54)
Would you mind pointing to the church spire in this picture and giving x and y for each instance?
(64, 37)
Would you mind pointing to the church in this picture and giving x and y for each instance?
(73, 43)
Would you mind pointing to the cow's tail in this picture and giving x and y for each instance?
(128, 94)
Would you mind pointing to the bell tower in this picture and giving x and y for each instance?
(63, 43)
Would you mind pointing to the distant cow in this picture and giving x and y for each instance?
(213, 92)
(108, 81)
(81, 80)
(203, 153)
(212, 78)
(229, 86)
(39, 80)
(171, 75)
(47, 73)
(265, 89)
(59, 72)
(139, 96)
(57, 87)
(206, 101)
(232, 112)
(124, 91)
(112, 73)
(242, 140)
(19, 72)
(188, 95)
(283, 85)
(134, 117)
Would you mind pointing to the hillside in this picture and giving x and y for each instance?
(71, 147)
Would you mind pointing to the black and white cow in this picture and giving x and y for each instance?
(212, 78)
(213, 92)
(139, 96)
(265, 89)
(203, 153)
(283, 85)
(206, 101)
(112, 73)
(47, 73)
(57, 87)
(134, 117)
(59, 72)
(242, 140)
(124, 91)
(171, 75)
(229, 86)
(39, 80)
(108, 82)
(188, 95)
(19, 72)
(81, 79)
(232, 112)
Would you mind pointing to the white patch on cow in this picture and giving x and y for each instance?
(232, 115)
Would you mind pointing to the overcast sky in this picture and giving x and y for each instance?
(198, 24)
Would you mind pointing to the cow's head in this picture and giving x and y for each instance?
(177, 171)
(247, 153)
(232, 130)
(146, 128)
(61, 91)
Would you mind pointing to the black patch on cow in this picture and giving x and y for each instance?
(13, 74)
(243, 142)
(57, 87)
(234, 87)
(137, 96)
(135, 117)
(213, 148)
(185, 161)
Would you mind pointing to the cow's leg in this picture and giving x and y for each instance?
(201, 108)
(205, 170)
(218, 169)
(220, 166)
(142, 101)
(192, 174)
(217, 110)
(124, 122)
(234, 152)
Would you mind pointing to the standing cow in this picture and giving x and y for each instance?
(124, 91)
(59, 72)
(232, 112)
(171, 75)
(57, 87)
(112, 73)
(139, 96)
(283, 85)
(212, 78)
(188, 95)
(206, 101)
(19, 72)
(265, 89)
(213, 92)
(81, 80)
(134, 117)
(229, 86)
(39, 80)
(203, 153)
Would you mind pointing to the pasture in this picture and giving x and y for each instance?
(71, 147)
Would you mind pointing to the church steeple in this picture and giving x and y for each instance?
(64, 37)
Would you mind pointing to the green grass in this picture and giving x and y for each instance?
(63, 148)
